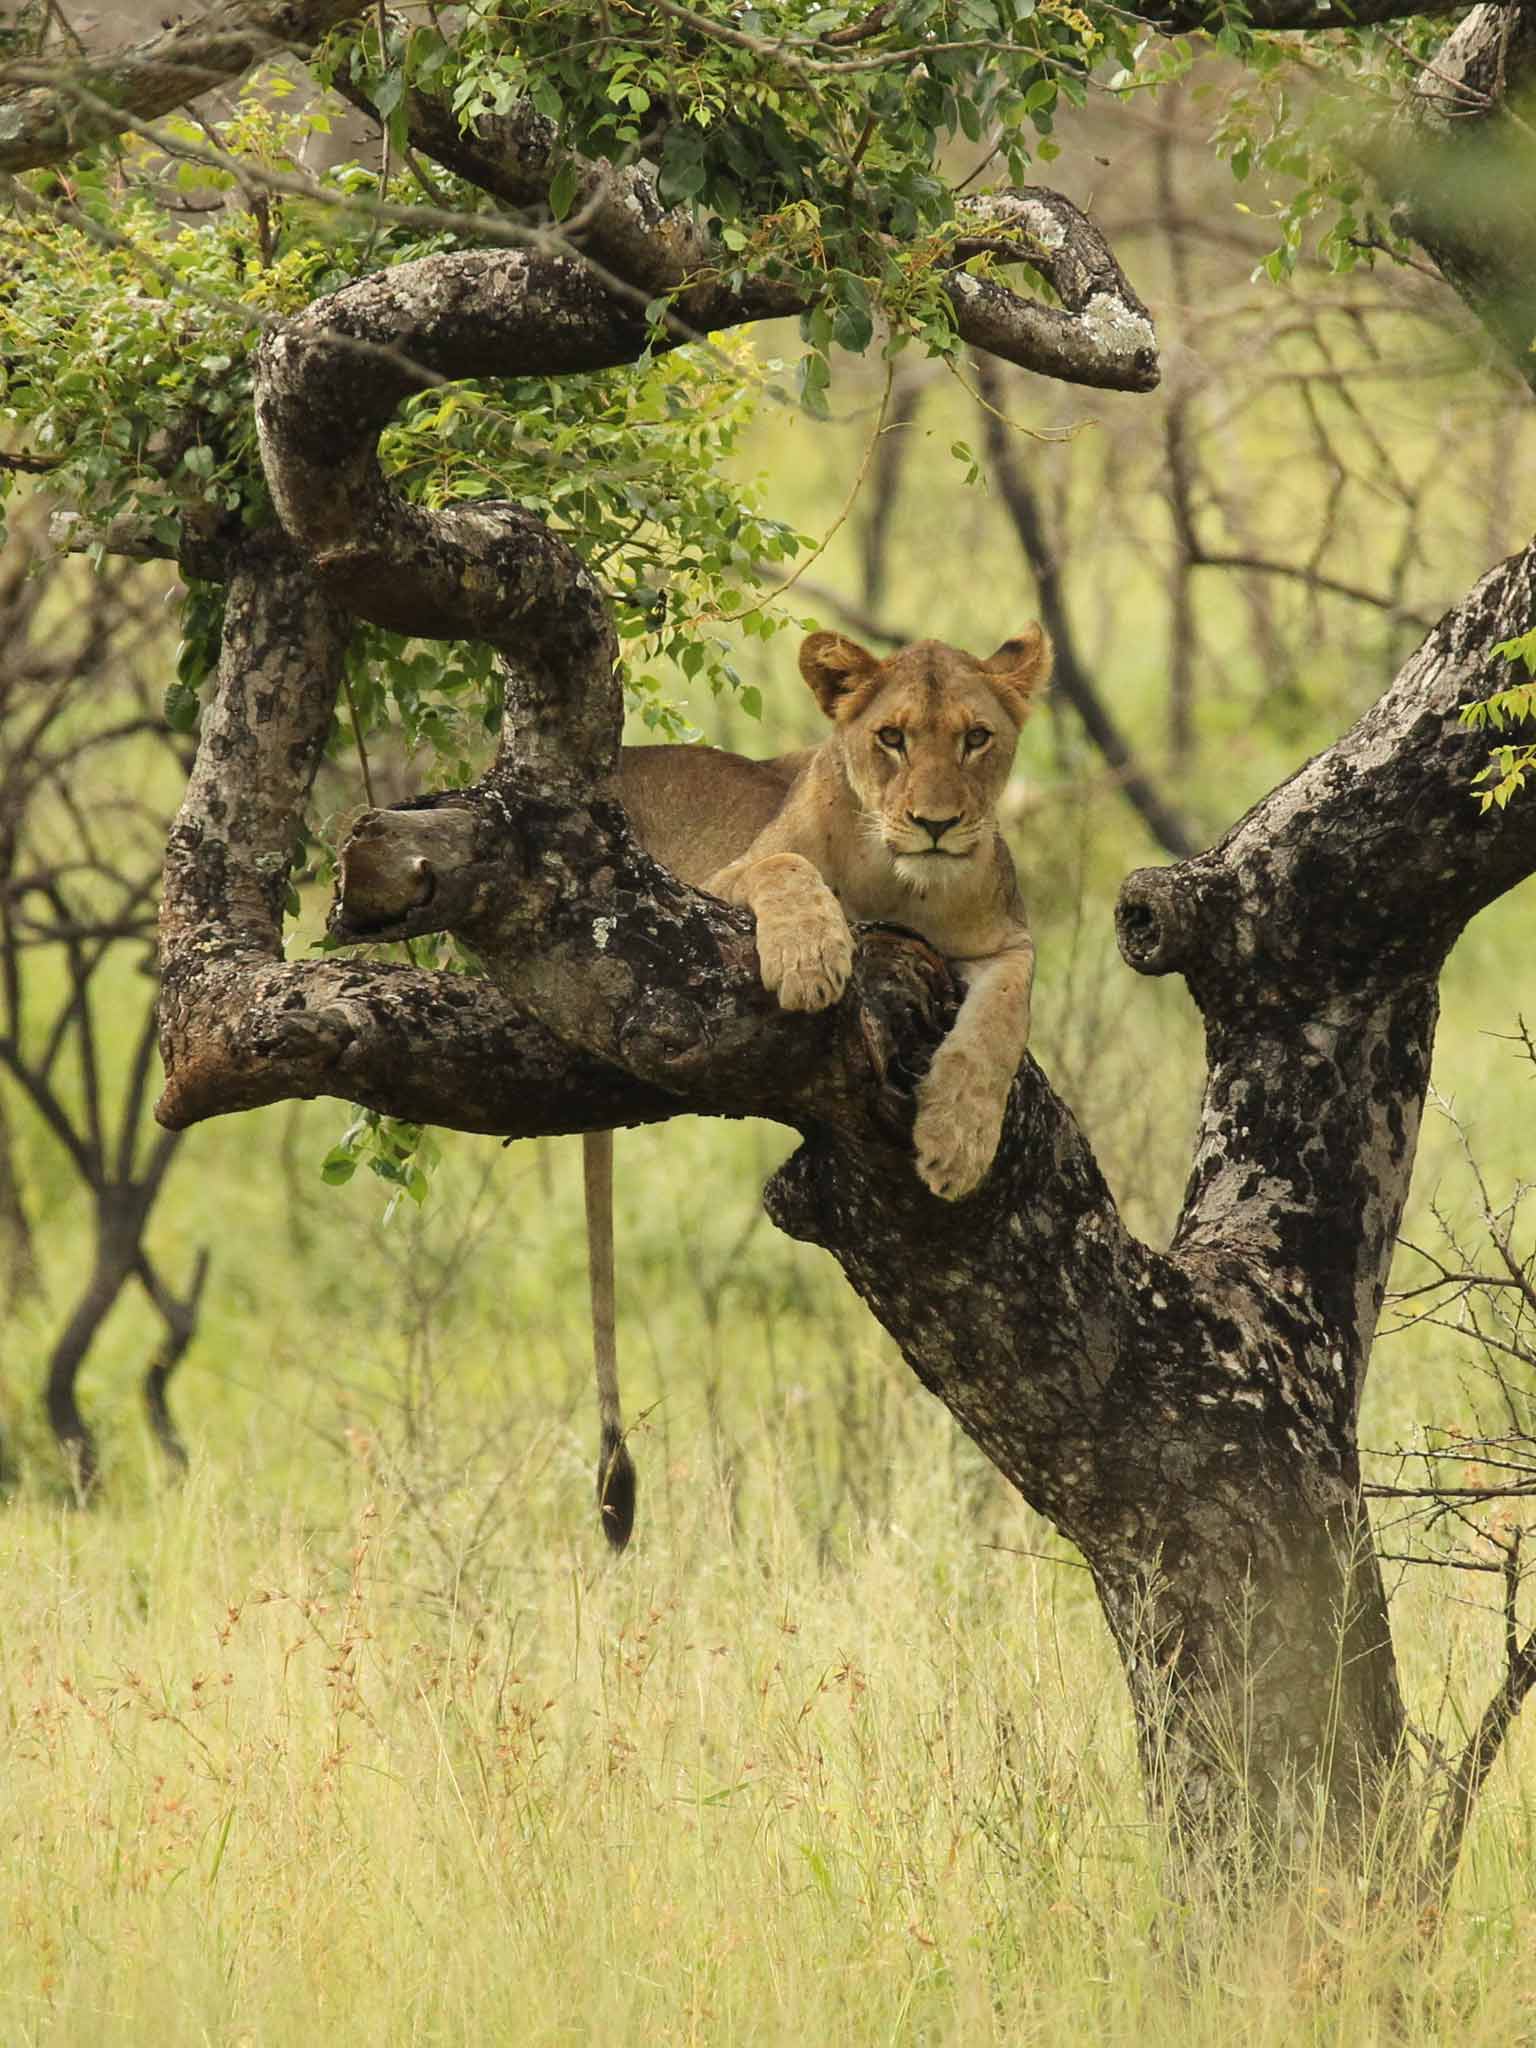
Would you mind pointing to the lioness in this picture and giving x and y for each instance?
(892, 818)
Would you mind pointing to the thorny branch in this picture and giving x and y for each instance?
(1473, 1482)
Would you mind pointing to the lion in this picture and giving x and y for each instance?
(893, 818)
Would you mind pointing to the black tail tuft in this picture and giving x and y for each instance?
(616, 1489)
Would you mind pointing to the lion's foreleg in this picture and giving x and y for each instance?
(961, 1099)
(804, 946)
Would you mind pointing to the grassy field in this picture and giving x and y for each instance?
(359, 1730)
(358, 1727)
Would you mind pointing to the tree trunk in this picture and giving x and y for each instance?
(20, 1281)
(119, 1226)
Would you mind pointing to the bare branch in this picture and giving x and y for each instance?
(1070, 676)
(1314, 578)
(1478, 1758)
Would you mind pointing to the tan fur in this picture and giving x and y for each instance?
(893, 818)
(811, 840)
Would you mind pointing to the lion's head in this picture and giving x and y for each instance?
(927, 739)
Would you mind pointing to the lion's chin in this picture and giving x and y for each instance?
(931, 868)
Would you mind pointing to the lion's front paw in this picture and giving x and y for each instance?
(959, 1121)
(805, 962)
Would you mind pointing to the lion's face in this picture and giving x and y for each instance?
(927, 739)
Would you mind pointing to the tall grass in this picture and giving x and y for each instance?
(268, 1768)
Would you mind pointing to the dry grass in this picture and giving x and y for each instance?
(358, 1728)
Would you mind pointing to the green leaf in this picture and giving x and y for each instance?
(815, 376)
(562, 189)
(546, 97)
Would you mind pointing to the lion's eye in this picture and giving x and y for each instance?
(893, 737)
(976, 739)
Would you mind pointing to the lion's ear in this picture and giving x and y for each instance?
(1020, 669)
(832, 666)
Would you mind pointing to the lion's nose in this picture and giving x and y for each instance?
(934, 827)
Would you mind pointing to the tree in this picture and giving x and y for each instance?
(79, 866)
(581, 189)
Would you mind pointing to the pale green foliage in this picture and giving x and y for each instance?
(1511, 763)
(401, 1154)
(1291, 123)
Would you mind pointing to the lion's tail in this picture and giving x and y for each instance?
(615, 1467)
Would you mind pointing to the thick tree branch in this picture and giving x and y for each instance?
(51, 109)
(1100, 334)
(1379, 838)
(574, 920)
(1312, 938)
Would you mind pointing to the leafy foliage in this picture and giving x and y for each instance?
(399, 1153)
(813, 146)
(1510, 764)
(126, 363)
